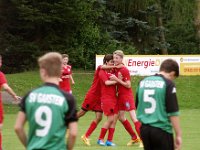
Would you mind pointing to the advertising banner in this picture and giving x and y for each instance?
(143, 65)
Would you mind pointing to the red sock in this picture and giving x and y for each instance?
(110, 134)
(103, 133)
(92, 127)
(137, 127)
(129, 129)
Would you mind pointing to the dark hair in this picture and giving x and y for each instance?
(170, 65)
(107, 58)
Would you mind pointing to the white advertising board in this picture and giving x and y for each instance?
(143, 65)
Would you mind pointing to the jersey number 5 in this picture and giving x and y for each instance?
(43, 117)
(148, 98)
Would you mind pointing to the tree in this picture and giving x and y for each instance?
(160, 25)
(197, 21)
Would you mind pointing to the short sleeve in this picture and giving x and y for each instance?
(70, 69)
(103, 76)
(70, 116)
(125, 74)
(22, 103)
(171, 99)
(2, 79)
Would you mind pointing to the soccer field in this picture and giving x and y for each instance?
(188, 96)
(190, 122)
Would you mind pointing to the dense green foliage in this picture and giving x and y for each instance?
(86, 28)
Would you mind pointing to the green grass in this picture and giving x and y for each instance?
(187, 92)
(189, 122)
(187, 86)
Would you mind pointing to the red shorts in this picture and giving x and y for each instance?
(109, 107)
(1, 112)
(126, 103)
(92, 102)
(65, 86)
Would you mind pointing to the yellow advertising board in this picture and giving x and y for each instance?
(144, 65)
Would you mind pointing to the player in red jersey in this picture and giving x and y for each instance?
(92, 102)
(108, 102)
(4, 85)
(125, 98)
(64, 83)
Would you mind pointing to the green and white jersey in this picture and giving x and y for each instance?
(48, 111)
(156, 100)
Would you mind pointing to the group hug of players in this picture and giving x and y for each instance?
(110, 94)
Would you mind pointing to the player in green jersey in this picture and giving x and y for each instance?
(48, 110)
(157, 109)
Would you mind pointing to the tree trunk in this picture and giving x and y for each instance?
(197, 21)
(164, 51)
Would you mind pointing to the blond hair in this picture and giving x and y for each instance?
(52, 63)
(65, 55)
(119, 53)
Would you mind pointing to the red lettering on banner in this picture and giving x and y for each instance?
(139, 63)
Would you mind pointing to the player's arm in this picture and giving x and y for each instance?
(137, 100)
(71, 121)
(176, 126)
(173, 112)
(66, 76)
(73, 130)
(126, 83)
(105, 79)
(110, 82)
(111, 67)
(10, 91)
(19, 127)
(71, 78)
(20, 122)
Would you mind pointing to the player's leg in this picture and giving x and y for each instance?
(81, 112)
(128, 128)
(104, 129)
(91, 128)
(111, 131)
(137, 125)
(135, 121)
(94, 124)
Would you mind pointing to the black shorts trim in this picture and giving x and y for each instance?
(98, 111)
(84, 109)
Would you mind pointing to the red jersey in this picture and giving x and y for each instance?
(2, 81)
(108, 96)
(65, 83)
(122, 90)
(108, 91)
(92, 98)
(125, 95)
(95, 87)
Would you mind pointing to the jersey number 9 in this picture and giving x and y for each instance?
(43, 117)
